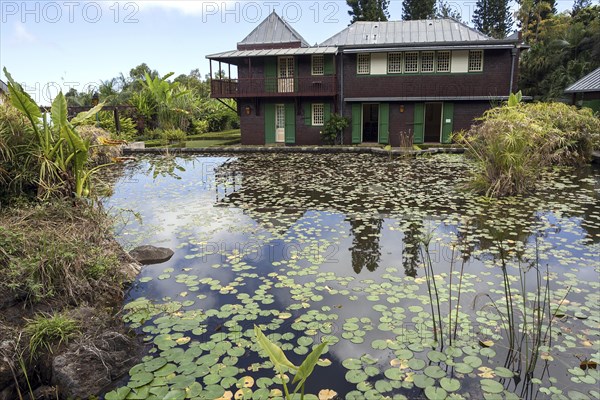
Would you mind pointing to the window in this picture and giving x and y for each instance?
(363, 64)
(318, 114)
(427, 59)
(394, 63)
(475, 60)
(411, 62)
(443, 61)
(318, 65)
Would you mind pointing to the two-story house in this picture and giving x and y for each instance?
(422, 79)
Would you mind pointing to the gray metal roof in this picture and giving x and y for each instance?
(589, 83)
(403, 32)
(273, 52)
(273, 30)
(3, 87)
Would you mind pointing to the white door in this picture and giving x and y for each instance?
(279, 123)
(285, 75)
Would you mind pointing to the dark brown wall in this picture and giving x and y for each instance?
(493, 81)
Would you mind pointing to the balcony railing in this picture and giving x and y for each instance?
(274, 87)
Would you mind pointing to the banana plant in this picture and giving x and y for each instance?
(282, 364)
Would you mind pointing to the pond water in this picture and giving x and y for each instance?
(421, 289)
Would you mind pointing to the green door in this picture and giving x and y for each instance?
(328, 65)
(384, 123)
(270, 74)
(356, 122)
(418, 123)
(290, 123)
(447, 122)
(269, 123)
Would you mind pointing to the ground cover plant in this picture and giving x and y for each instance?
(419, 288)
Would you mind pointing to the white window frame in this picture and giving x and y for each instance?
(437, 61)
(406, 54)
(317, 118)
(475, 64)
(318, 68)
(364, 60)
(432, 70)
(398, 68)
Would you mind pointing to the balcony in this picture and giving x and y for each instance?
(274, 87)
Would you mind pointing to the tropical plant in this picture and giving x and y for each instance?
(333, 128)
(282, 364)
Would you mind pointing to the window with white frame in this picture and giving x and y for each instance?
(318, 64)
(427, 61)
(363, 63)
(475, 60)
(394, 63)
(411, 62)
(443, 61)
(318, 114)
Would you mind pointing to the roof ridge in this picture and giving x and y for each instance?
(274, 18)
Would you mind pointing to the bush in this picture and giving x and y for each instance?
(173, 135)
(199, 127)
(333, 128)
(515, 143)
(107, 122)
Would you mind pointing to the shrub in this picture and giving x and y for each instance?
(333, 128)
(200, 127)
(173, 135)
(515, 143)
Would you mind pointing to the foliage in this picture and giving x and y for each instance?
(219, 116)
(99, 153)
(368, 10)
(516, 142)
(106, 121)
(282, 364)
(200, 126)
(333, 128)
(493, 18)
(564, 48)
(418, 9)
(48, 330)
(448, 10)
(173, 135)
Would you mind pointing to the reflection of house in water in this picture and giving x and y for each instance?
(366, 249)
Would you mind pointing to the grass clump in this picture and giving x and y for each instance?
(48, 331)
(515, 143)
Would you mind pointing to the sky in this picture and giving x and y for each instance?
(49, 46)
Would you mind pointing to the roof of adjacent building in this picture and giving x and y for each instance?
(273, 30)
(3, 87)
(589, 83)
(442, 31)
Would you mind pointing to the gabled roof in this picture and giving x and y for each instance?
(589, 83)
(438, 31)
(273, 30)
(3, 87)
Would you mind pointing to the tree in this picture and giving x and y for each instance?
(580, 4)
(368, 10)
(493, 18)
(418, 9)
(445, 10)
(532, 16)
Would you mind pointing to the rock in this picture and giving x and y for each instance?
(151, 255)
(85, 369)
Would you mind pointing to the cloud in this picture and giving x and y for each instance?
(186, 7)
(21, 35)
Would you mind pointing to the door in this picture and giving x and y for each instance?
(433, 122)
(285, 75)
(279, 123)
(370, 118)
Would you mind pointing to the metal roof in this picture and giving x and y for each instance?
(273, 30)
(368, 33)
(3, 87)
(589, 83)
(273, 52)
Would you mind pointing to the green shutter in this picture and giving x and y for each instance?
(296, 74)
(290, 123)
(328, 66)
(269, 123)
(271, 74)
(356, 122)
(418, 123)
(307, 114)
(384, 123)
(447, 122)
(326, 112)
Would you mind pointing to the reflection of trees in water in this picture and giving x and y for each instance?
(365, 250)
(410, 247)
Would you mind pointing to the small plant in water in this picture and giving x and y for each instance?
(282, 364)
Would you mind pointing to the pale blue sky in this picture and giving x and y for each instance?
(50, 44)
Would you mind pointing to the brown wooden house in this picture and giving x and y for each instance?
(418, 79)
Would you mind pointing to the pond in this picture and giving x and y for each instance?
(420, 289)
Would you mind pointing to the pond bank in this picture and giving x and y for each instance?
(62, 286)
